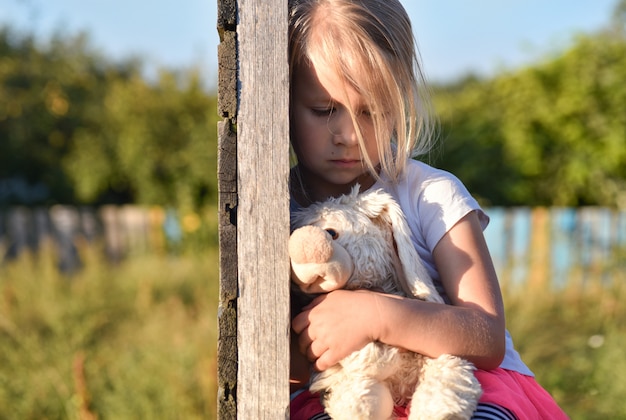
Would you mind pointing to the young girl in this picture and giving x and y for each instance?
(358, 115)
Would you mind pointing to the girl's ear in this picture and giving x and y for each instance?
(415, 278)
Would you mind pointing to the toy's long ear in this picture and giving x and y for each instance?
(416, 279)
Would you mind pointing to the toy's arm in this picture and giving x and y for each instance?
(318, 263)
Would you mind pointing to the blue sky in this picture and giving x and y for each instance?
(455, 36)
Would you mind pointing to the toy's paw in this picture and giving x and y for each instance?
(361, 401)
(448, 390)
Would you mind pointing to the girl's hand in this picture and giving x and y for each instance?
(473, 327)
(336, 324)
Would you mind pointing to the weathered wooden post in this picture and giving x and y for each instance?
(253, 168)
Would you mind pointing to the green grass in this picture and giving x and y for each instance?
(138, 340)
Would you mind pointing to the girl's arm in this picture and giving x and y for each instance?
(336, 324)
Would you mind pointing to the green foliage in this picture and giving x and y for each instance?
(126, 342)
(44, 95)
(92, 131)
(79, 129)
(472, 141)
(551, 134)
(159, 142)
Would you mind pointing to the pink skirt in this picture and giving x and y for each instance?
(519, 393)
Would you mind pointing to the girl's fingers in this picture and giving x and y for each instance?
(300, 322)
(315, 350)
(324, 361)
(309, 345)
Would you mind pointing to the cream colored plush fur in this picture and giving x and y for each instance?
(351, 242)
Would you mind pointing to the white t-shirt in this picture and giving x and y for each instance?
(433, 201)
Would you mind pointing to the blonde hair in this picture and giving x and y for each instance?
(370, 45)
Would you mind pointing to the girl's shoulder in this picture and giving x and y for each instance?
(428, 172)
(433, 200)
(427, 183)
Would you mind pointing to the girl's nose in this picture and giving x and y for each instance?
(342, 128)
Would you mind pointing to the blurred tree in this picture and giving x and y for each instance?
(38, 109)
(551, 134)
(156, 141)
(566, 124)
(471, 139)
(618, 21)
(76, 128)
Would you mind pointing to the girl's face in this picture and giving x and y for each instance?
(324, 136)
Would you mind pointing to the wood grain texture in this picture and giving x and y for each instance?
(227, 314)
(263, 211)
(227, 203)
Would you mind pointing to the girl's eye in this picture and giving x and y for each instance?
(333, 233)
(323, 112)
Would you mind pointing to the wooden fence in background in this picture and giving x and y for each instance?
(557, 246)
(537, 246)
(120, 231)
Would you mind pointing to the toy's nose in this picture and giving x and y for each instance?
(310, 244)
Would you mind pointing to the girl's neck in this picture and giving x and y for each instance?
(307, 189)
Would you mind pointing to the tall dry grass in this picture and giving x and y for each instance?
(138, 340)
(573, 338)
(131, 341)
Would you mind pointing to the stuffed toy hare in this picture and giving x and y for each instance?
(362, 241)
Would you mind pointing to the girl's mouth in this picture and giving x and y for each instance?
(346, 162)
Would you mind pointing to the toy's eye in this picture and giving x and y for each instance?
(333, 233)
